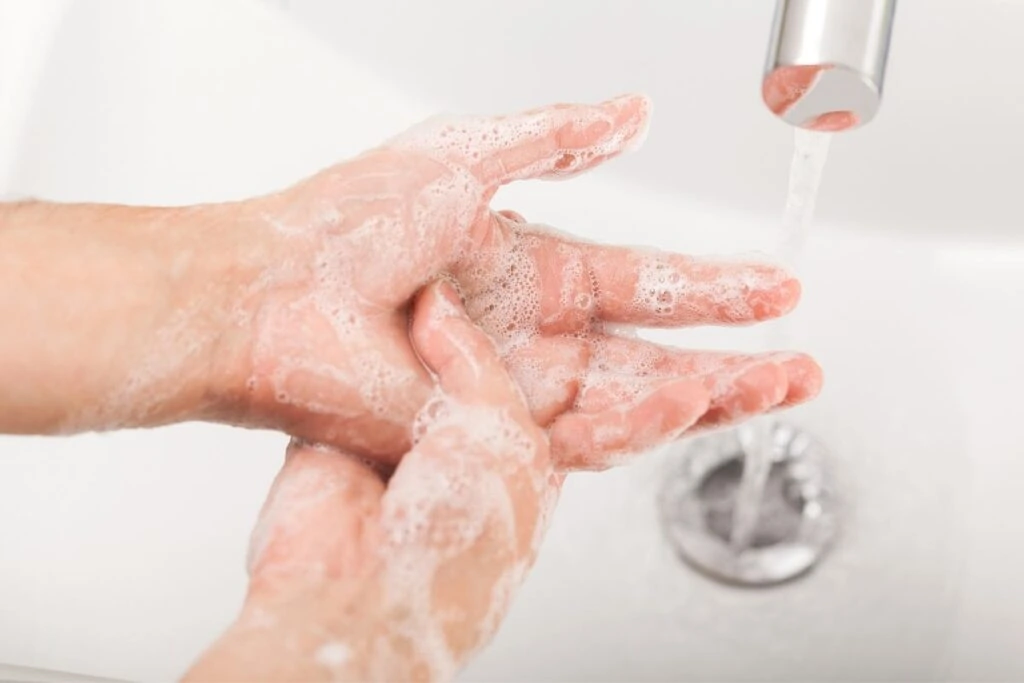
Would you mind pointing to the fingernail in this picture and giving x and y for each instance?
(513, 216)
(449, 293)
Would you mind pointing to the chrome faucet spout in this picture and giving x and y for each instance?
(827, 60)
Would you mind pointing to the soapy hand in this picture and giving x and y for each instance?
(356, 579)
(289, 311)
(322, 347)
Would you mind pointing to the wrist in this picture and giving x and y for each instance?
(272, 644)
(230, 252)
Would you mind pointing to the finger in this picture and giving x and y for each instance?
(594, 441)
(550, 142)
(565, 285)
(562, 140)
(523, 281)
(804, 378)
(549, 371)
(482, 433)
(319, 520)
(461, 355)
(744, 392)
(722, 372)
(656, 289)
(466, 508)
(624, 371)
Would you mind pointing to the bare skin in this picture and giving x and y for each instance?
(356, 579)
(289, 311)
(391, 548)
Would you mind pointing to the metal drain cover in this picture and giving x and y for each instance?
(796, 522)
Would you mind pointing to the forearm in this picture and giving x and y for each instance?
(112, 316)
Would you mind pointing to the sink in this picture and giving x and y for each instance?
(122, 555)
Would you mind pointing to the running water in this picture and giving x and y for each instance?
(809, 156)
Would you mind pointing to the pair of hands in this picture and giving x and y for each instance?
(452, 362)
(391, 550)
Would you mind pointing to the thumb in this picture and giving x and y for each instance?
(466, 508)
(556, 141)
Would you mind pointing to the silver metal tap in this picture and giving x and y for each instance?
(826, 61)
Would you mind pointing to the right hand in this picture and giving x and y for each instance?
(359, 579)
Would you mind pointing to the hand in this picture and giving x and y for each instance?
(356, 579)
(322, 347)
(289, 311)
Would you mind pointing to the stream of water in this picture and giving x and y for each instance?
(809, 156)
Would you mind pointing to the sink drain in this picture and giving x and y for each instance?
(796, 521)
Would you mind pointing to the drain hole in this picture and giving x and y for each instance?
(781, 511)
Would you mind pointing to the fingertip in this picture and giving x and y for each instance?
(630, 103)
(805, 379)
(564, 140)
(449, 293)
(635, 117)
(438, 309)
(459, 353)
(790, 292)
(776, 301)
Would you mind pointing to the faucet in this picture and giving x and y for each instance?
(826, 62)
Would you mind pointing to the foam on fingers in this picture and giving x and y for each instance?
(461, 355)
(593, 441)
(466, 508)
(746, 390)
(550, 142)
(647, 287)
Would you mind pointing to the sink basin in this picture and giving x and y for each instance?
(122, 555)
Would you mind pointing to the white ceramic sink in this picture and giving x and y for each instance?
(121, 555)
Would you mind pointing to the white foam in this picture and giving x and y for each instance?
(333, 655)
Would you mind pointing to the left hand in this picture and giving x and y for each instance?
(324, 355)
